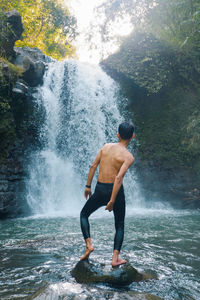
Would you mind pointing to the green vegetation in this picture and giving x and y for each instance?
(48, 25)
(176, 21)
(159, 68)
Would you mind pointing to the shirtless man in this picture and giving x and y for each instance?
(113, 160)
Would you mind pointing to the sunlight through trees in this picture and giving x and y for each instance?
(48, 25)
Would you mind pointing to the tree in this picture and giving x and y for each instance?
(175, 21)
(48, 25)
(116, 9)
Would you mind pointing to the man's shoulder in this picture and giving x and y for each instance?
(108, 145)
(129, 156)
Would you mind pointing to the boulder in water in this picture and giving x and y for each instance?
(86, 272)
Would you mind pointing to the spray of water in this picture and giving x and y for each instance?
(81, 104)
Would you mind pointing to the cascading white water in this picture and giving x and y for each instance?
(81, 104)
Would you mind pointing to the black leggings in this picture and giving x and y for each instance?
(100, 198)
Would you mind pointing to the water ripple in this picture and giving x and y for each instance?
(37, 251)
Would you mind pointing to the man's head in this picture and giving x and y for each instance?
(126, 131)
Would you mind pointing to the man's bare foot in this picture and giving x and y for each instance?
(118, 262)
(88, 250)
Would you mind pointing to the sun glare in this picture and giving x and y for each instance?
(90, 45)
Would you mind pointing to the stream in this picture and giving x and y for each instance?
(41, 251)
(83, 108)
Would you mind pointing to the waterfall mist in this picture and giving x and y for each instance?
(81, 104)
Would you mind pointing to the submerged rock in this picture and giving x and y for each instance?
(86, 272)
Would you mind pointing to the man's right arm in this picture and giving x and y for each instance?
(118, 181)
(92, 170)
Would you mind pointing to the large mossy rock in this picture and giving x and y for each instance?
(163, 86)
(32, 61)
(18, 131)
(11, 30)
(145, 60)
(87, 272)
(20, 116)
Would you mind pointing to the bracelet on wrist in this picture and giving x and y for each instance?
(88, 186)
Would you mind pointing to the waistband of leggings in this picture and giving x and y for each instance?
(105, 183)
(108, 184)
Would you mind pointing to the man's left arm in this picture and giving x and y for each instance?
(118, 181)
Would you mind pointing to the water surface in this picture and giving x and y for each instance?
(35, 252)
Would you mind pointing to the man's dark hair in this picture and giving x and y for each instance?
(126, 130)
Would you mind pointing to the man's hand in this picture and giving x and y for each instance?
(87, 193)
(109, 206)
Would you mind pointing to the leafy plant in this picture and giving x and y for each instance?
(48, 25)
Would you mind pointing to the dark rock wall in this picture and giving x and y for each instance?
(20, 116)
(19, 130)
(163, 86)
(12, 184)
(11, 29)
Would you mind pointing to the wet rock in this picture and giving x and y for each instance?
(14, 29)
(12, 187)
(23, 132)
(67, 290)
(20, 124)
(20, 89)
(146, 68)
(7, 203)
(4, 68)
(4, 185)
(34, 53)
(87, 272)
(33, 64)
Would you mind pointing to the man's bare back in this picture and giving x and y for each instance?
(112, 158)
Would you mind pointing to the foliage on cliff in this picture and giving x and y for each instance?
(48, 25)
(176, 22)
(170, 28)
(159, 67)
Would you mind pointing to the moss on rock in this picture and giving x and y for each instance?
(163, 86)
(8, 76)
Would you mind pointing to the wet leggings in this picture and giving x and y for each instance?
(100, 198)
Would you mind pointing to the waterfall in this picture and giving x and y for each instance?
(82, 114)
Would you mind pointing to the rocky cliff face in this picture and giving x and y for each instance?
(11, 29)
(163, 86)
(19, 115)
